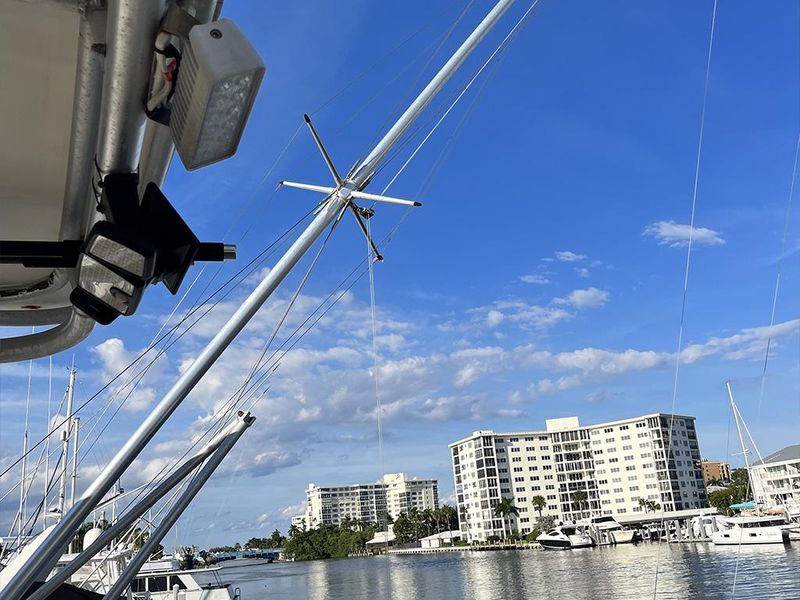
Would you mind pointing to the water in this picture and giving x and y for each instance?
(686, 571)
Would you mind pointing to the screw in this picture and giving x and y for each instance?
(216, 34)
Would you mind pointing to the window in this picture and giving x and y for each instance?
(516, 459)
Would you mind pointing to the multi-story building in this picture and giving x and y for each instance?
(578, 471)
(369, 501)
(716, 470)
(776, 479)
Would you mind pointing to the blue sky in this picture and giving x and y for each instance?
(541, 278)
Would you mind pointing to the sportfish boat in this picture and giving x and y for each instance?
(105, 92)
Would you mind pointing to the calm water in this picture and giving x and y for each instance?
(686, 571)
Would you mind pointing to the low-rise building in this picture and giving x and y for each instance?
(716, 471)
(369, 502)
(776, 479)
(571, 471)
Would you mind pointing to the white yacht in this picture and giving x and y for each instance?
(565, 537)
(750, 530)
(159, 580)
(609, 530)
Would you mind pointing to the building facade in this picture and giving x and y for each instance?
(716, 470)
(578, 471)
(369, 502)
(776, 479)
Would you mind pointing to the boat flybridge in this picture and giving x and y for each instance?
(98, 105)
(104, 92)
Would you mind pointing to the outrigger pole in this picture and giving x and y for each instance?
(45, 557)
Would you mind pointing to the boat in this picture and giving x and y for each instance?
(95, 242)
(608, 530)
(565, 537)
(734, 531)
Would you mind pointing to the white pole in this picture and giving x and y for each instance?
(45, 557)
(47, 444)
(65, 435)
(76, 423)
(738, 426)
(23, 496)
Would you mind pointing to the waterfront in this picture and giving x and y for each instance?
(686, 571)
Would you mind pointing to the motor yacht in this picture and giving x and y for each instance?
(565, 537)
(609, 530)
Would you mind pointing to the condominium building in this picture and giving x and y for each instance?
(578, 471)
(716, 470)
(397, 493)
(776, 479)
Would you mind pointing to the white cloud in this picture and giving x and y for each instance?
(675, 235)
(582, 272)
(534, 279)
(494, 318)
(135, 390)
(569, 256)
(585, 298)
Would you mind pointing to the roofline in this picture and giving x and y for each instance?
(543, 432)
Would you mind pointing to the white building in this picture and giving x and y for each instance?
(776, 479)
(369, 501)
(612, 465)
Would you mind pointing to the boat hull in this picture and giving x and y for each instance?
(762, 535)
(621, 536)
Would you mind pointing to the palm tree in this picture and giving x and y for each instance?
(644, 503)
(538, 504)
(505, 509)
(653, 505)
(580, 499)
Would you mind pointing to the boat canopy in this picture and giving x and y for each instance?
(749, 505)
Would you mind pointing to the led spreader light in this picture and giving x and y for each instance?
(220, 74)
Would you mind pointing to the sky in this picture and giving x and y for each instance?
(542, 277)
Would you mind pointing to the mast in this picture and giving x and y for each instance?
(65, 435)
(47, 445)
(76, 424)
(23, 493)
(745, 451)
(45, 557)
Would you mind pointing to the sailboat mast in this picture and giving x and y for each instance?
(76, 424)
(45, 557)
(65, 435)
(736, 418)
(23, 493)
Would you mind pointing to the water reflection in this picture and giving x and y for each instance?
(685, 571)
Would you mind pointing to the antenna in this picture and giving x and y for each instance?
(360, 214)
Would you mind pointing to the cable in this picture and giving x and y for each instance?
(173, 328)
(787, 221)
(668, 450)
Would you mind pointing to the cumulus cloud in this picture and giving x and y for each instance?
(585, 298)
(569, 256)
(135, 390)
(675, 235)
(534, 279)
(494, 318)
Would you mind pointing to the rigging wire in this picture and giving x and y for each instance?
(375, 373)
(486, 63)
(165, 335)
(668, 450)
(787, 221)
